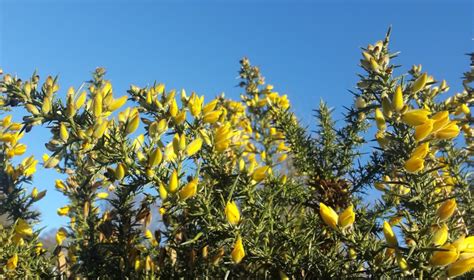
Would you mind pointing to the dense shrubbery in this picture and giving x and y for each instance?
(178, 186)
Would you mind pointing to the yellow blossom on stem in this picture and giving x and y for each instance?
(61, 235)
(446, 256)
(415, 117)
(23, 228)
(379, 119)
(260, 173)
(397, 100)
(446, 210)
(232, 213)
(238, 253)
(194, 147)
(390, 236)
(460, 267)
(174, 182)
(63, 211)
(347, 217)
(328, 215)
(423, 130)
(440, 235)
(414, 165)
(189, 190)
(12, 262)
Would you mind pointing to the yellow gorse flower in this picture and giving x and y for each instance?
(12, 262)
(390, 236)
(260, 173)
(397, 100)
(174, 182)
(347, 217)
(415, 117)
(238, 253)
(379, 119)
(460, 267)
(61, 235)
(63, 211)
(194, 147)
(189, 190)
(440, 235)
(155, 157)
(232, 213)
(445, 257)
(446, 210)
(23, 229)
(102, 195)
(419, 83)
(423, 130)
(328, 215)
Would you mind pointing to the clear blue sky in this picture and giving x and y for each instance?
(307, 49)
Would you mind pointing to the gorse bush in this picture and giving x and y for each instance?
(176, 186)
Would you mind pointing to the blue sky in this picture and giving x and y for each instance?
(308, 49)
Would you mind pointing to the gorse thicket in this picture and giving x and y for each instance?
(178, 186)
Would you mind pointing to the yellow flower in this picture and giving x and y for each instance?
(163, 192)
(421, 151)
(63, 133)
(60, 185)
(61, 235)
(18, 240)
(195, 104)
(155, 157)
(379, 119)
(34, 193)
(445, 257)
(441, 119)
(468, 248)
(397, 100)
(414, 165)
(211, 117)
(463, 108)
(210, 106)
(222, 137)
(415, 117)
(120, 171)
(100, 129)
(451, 130)
(260, 173)
(238, 253)
(189, 190)
(97, 105)
(173, 109)
(461, 267)
(174, 182)
(389, 235)
(423, 130)
(102, 195)
(446, 210)
(401, 261)
(328, 215)
(440, 236)
(23, 228)
(148, 234)
(347, 217)
(81, 100)
(117, 103)
(420, 83)
(232, 213)
(63, 211)
(132, 124)
(194, 147)
(12, 262)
